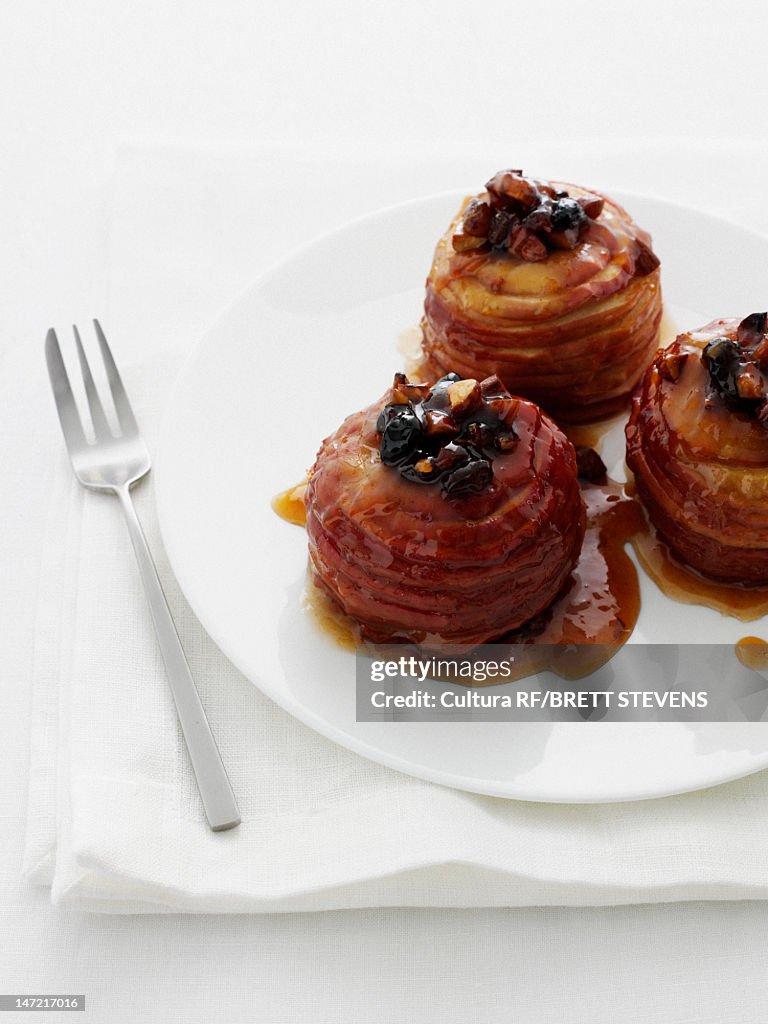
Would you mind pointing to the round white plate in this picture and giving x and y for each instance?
(315, 339)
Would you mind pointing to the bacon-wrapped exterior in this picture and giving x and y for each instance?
(698, 447)
(568, 318)
(478, 550)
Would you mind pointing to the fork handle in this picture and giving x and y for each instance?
(215, 789)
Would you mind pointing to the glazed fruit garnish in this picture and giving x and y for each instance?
(527, 218)
(738, 368)
(447, 432)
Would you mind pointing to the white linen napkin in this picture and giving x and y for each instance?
(115, 823)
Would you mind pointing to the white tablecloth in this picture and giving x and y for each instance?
(113, 803)
(75, 78)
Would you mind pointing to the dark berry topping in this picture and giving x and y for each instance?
(500, 227)
(481, 435)
(589, 465)
(471, 478)
(448, 432)
(736, 367)
(723, 358)
(387, 413)
(567, 213)
(450, 457)
(525, 217)
(400, 437)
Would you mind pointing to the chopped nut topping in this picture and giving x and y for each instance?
(397, 397)
(403, 391)
(750, 383)
(506, 440)
(464, 396)
(523, 243)
(463, 242)
(591, 204)
(492, 387)
(751, 330)
(510, 187)
(438, 422)
(477, 219)
(671, 364)
(448, 432)
(646, 261)
(527, 218)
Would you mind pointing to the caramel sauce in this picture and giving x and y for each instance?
(602, 604)
(593, 616)
(289, 504)
(681, 583)
(752, 652)
(329, 616)
(596, 614)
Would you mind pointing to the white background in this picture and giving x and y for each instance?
(76, 79)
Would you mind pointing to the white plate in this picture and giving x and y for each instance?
(315, 339)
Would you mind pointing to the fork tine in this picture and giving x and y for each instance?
(62, 392)
(122, 405)
(100, 425)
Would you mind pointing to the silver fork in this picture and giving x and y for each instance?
(114, 462)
